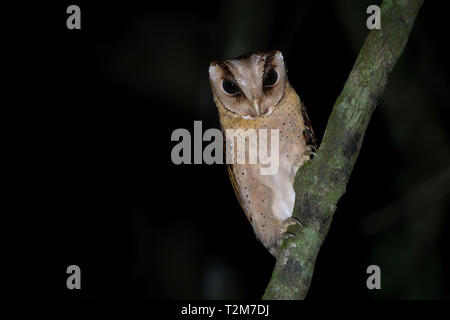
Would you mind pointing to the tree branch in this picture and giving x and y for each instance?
(320, 183)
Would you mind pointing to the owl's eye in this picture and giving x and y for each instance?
(270, 78)
(230, 87)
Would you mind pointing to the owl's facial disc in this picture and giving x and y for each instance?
(249, 86)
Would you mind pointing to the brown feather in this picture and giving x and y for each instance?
(236, 191)
(308, 134)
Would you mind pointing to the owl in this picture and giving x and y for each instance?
(253, 92)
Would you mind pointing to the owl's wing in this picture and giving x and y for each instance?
(308, 134)
(259, 192)
(236, 189)
(233, 180)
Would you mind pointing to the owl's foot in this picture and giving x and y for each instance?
(283, 234)
(311, 153)
(291, 221)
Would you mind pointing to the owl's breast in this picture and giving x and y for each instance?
(269, 199)
(283, 195)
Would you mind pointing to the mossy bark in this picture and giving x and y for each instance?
(320, 183)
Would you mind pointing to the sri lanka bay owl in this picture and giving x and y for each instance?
(253, 92)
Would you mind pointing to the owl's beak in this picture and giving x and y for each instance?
(256, 105)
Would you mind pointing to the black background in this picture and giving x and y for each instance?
(87, 178)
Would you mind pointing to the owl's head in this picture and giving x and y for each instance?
(249, 86)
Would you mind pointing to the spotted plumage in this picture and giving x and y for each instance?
(253, 92)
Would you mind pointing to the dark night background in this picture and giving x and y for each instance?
(87, 178)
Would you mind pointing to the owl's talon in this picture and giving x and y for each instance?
(291, 221)
(287, 235)
(311, 154)
(283, 233)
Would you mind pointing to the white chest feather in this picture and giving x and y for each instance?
(284, 194)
